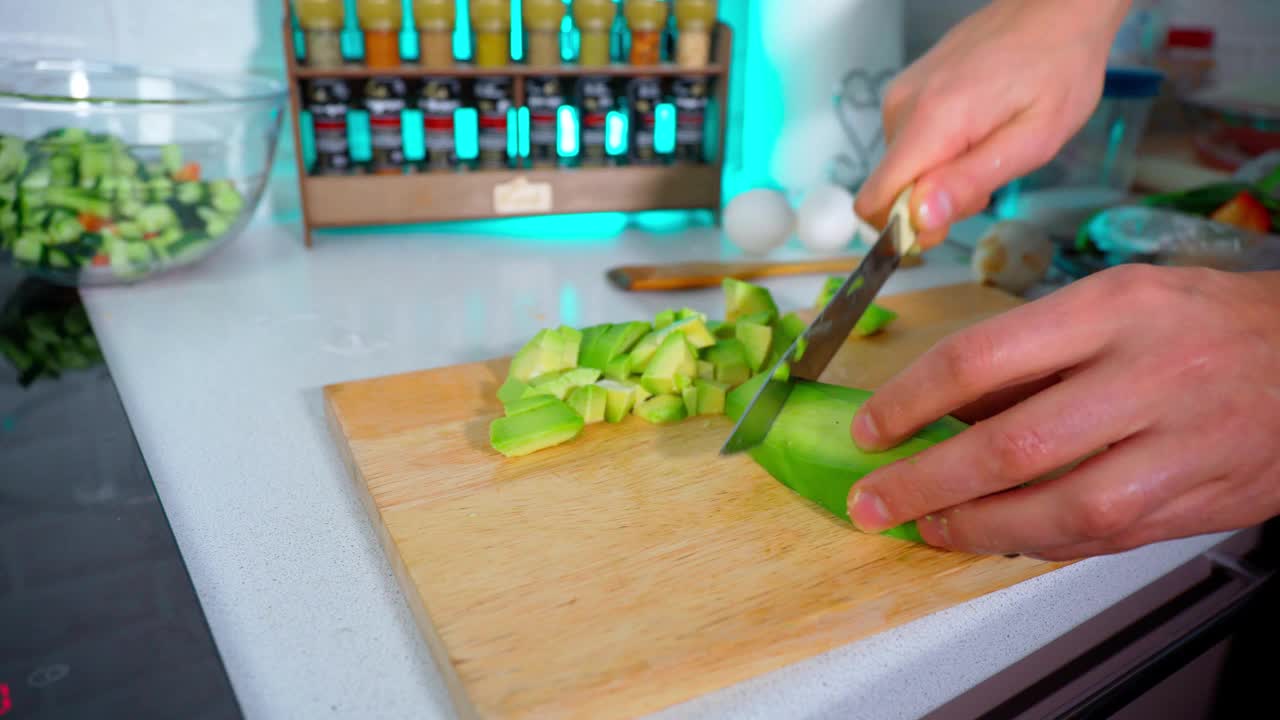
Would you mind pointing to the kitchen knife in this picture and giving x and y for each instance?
(809, 355)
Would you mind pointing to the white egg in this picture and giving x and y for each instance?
(759, 220)
(1013, 255)
(826, 222)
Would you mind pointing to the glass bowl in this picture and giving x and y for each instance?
(111, 174)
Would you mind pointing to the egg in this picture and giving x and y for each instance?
(759, 220)
(1012, 255)
(826, 222)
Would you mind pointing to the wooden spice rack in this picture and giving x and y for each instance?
(333, 201)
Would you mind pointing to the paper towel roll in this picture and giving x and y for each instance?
(824, 50)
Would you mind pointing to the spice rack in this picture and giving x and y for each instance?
(365, 199)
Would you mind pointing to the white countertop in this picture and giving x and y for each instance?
(220, 368)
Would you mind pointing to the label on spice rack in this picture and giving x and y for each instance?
(544, 96)
(690, 96)
(328, 100)
(645, 94)
(438, 99)
(595, 101)
(519, 196)
(385, 99)
(493, 101)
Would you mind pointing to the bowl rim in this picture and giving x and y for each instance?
(261, 88)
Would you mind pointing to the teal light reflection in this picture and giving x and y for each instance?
(569, 306)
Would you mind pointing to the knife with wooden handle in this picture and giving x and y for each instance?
(693, 275)
(809, 355)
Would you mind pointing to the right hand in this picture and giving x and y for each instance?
(996, 98)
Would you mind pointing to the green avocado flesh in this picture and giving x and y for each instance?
(875, 319)
(810, 450)
(528, 432)
(685, 365)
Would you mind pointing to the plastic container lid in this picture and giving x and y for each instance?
(1132, 83)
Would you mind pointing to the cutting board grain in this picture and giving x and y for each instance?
(633, 568)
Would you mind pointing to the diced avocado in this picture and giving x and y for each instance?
(543, 354)
(809, 448)
(511, 391)
(527, 404)
(695, 329)
(190, 193)
(706, 370)
(663, 319)
(692, 328)
(743, 298)
(875, 319)
(829, 288)
(683, 382)
(155, 218)
(711, 397)
(28, 248)
(615, 342)
(792, 325)
(561, 382)
(686, 313)
(590, 402)
(619, 368)
(759, 318)
(171, 158)
(529, 432)
(675, 357)
(620, 398)
(590, 335)
(59, 259)
(662, 409)
(690, 397)
(756, 339)
(572, 339)
(783, 372)
(730, 360)
(722, 330)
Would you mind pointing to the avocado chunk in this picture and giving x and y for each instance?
(589, 402)
(674, 358)
(692, 328)
(730, 360)
(533, 402)
(560, 383)
(710, 397)
(620, 398)
(874, 320)
(528, 432)
(662, 409)
(706, 370)
(590, 337)
(511, 391)
(614, 342)
(619, 368)
(756, 339)
(663, 319)
(545, 353)
(690, 398)
(743, 298)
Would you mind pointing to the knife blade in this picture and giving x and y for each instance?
(810, 353)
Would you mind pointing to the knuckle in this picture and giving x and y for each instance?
(1103, 516)
(1139, 285)
(897, 93)
(967, 358)
(1017, 453)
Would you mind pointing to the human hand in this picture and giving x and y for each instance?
(996, 98)
(1165, 381)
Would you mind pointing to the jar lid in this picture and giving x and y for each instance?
(1132, 83)
(1190, 37)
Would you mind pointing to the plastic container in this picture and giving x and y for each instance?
(111, 174)
(1096, 167)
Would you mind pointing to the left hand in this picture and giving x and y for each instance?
(1164, 382)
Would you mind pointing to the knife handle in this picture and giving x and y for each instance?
(692, 275)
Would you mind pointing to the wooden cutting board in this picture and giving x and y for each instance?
(633, 568)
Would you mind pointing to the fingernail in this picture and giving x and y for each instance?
(865, 433)
(868, 513)
(935, 211)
